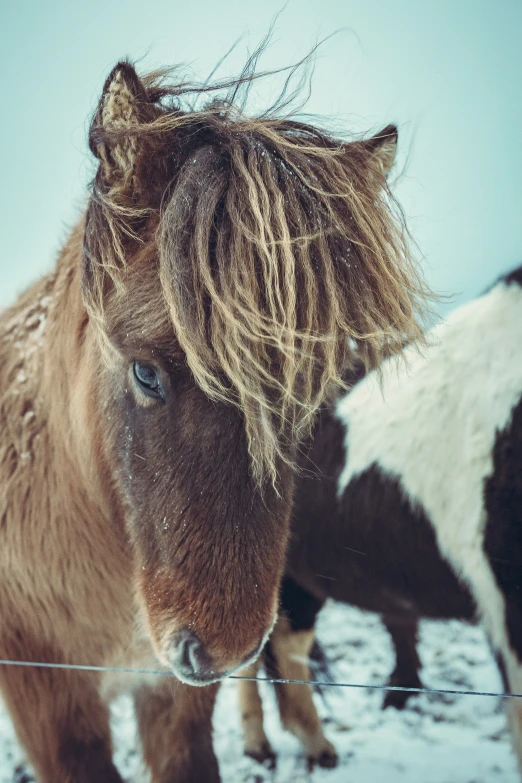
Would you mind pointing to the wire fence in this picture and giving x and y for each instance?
(317, 683)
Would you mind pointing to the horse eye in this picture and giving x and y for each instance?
(148, 380)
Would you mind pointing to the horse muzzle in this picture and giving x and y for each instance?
(192, 664)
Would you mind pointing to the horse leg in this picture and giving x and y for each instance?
(492, 572)
(403, 633)
(21, 775)
(255, 742)
(509, 662)
(514, 710)
(290, 650)
(175, 725)
(506, 644)
(62, 722)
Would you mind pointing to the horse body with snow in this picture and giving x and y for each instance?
(153, 391)
(410, 505)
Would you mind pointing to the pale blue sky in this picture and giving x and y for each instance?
(449, 72)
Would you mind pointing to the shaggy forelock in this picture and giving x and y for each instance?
(279, 247)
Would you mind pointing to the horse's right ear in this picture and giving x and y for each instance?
(113, 136)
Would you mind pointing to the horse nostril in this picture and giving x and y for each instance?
(191, 654)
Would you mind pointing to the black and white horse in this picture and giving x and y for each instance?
(410, 505)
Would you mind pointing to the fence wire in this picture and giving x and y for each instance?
(277, 680)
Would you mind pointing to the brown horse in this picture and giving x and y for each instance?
(154, 389)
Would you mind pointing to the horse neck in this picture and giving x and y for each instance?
(74, 353)
(50, 352)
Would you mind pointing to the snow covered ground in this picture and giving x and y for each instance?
(436, 739)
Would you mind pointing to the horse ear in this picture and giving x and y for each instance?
(381, 150)
(122, 107)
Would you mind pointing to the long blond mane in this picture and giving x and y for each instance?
(280, 247)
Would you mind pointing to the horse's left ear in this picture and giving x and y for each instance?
(113, 138)
(381, 150)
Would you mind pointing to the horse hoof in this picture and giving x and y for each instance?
(396, 699)
(263, 755)
(21, 775)
(327, 759)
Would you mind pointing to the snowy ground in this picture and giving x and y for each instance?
(436, 739)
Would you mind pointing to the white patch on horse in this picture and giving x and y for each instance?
(432, 427)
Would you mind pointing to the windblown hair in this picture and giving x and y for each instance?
(279, 247)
